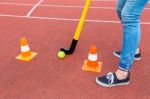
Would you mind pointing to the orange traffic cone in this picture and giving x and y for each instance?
(92, 63)
(26, 54)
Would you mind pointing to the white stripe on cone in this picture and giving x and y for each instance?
(92, 57)
(25, 48)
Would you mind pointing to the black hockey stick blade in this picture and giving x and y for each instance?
(71, 49)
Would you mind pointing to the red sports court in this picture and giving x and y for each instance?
(49, 25)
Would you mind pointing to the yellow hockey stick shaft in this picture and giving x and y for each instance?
(82, 19)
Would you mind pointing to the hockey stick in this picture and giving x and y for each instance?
(78, 30)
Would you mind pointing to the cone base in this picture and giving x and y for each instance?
(29, 58)
(92, 69)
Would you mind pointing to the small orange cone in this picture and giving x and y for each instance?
(26, 54)
(92, 63)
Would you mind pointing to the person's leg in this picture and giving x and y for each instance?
(130, 17)
(131, 34)
(119, 7)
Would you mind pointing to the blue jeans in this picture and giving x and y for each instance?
(129, 12)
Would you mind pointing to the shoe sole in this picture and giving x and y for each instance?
(119, 56)
(113, 85)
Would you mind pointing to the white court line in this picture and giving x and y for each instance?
(92, 7)
(59, 6)
(34, 7)
(61, 19)
(62, 6)
(23, 4)
(65, 19)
